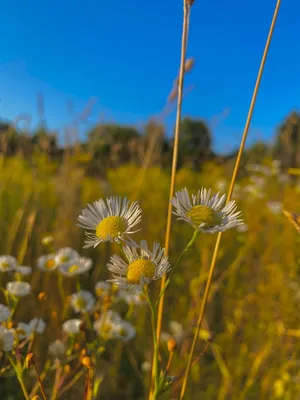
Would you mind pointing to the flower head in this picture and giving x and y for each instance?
(57, 349)
(82, 301)
(6, 339)
(7, 263)
(111, 220)
(136, 299)
(47, 262)
(18, 288)
(102, 288)
(111, 326)
(4, 313)
(37, 325)
(65, 255)
(23, 270)
(72, 326)
(141, 266)
(23, 330)
(76, 266)
(206, 213)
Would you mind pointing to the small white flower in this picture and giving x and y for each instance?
(102, 288)
(7, 263)
(76, 266)
(82, 301)
(111, 220)
(6, 339)
(72, 326)
(65, 255)
(111, 326)
(4, 313)
(23, 270)
(37, 325)
(18, 288)
(275, 207)
(47, 262)
(141, 267)
(132, 298)
(57, 349)
(206, 213)
(176, 332)
(23, 330)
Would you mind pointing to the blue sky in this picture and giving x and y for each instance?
(124, 55)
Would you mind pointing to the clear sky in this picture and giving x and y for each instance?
(124, 55)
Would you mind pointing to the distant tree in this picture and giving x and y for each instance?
(287, 145)
(45, 140)
(195, 142)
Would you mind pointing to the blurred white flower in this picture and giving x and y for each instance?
(65, 255)
(47, 262)
(111, 326)
(47, 240)
(137, 299)
(205, 213)
(221, 185)
(110, 220)
(57, 349)
(102, 288)
(23, 270)
(7, 263)
(6, 339)
(23, 330)
(242, 228)
(4, 313)
(37, 325)
(82, 301)
(18, 288)
(176, 332)
(141, 267)
(275, 207)
(76, 266)
(146, 366)
(72, 326)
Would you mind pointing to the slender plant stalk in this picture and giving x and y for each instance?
(40, 383)
(233, 179)
(20, 379)
(185, 28)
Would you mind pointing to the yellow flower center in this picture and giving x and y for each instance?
(5, 265)
(106, 328)
(49, 264)
(64, 259)
(80, 302)
(204, 215)
(140, 268)
(73, 268)
(111, 227)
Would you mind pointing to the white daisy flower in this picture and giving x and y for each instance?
(23, 270)
(66, 254)
(47, 262)
(7, 263)
(141, 266)
(82, 301)
(18, 288)
(23, 330)
(37, 325)
(76, 266)
(6, 339)
(206, 213)
(72, 326)
(111, 326)
(102, 288)
(4, 313)
(111, 220)
(136, 299)
(57, 349)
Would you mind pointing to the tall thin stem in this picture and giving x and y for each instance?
(184, 39)
(233, 179)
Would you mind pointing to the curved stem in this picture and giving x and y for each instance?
(233, 179)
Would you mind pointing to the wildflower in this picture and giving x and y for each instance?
(72, 326)
(57, 349)
(111, 326)
(102, 288)
(109, 221)
(172, 345)
(274, 207)
(4, 313)
(7, 263)
(76, 266)
(131, 298)
(82, 301)
(23, 330)
(18, 288)
(47, 262)
(141, 267)
(86, 361)
(204, 213)
(47, 240)
(242, 228)
(6, 339)
(146, 366)
(66, 254)
(29, 360)
(23, 270)
(37, 325)
(176, 332)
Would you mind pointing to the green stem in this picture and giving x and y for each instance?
(185, 250)
(155, 343)
(20, 379)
